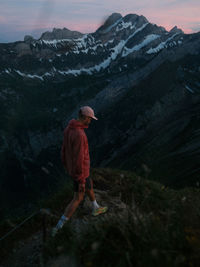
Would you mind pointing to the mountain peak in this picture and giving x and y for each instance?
(134, 17)
(60, 34)
(175, 29)
(116, 18)
(113, 18)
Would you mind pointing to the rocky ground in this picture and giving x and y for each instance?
(147, 224)
(28, 253)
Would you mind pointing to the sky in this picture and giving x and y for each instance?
(33, 17)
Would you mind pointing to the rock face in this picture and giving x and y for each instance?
(60, 34)
(28, 39)
(113, 19)
(142, 81)
(176, 30)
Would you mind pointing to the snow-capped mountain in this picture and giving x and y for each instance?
(112, 48)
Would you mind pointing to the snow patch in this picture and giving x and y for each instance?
(54, 42)
(189, 89)
(29, 75)
(7, 71)
(148, 39)
(160, 46)
(123, 25)
(138, 30)
(47, 74)
(112, 26)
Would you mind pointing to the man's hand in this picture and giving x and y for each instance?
(81, 188)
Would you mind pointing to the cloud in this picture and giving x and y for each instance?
(182, 16)
(86, 16)
(2, 19)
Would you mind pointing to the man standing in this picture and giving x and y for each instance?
(76, 161)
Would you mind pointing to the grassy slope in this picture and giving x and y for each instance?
(147, 225)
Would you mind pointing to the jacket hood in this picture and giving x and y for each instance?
(76, 124)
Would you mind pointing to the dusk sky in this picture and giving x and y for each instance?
(32, 17)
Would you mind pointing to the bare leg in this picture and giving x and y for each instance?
(70, 209)
(90, 192)
(91, 195)
(73, 205)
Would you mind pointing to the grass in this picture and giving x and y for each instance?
(161, 227)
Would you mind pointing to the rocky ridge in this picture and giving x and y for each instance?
(63, 53)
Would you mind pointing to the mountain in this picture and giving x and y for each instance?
(142, 81)
(62, 53)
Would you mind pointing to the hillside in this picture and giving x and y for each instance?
(147, 224)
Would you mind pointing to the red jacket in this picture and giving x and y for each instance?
(75, 151)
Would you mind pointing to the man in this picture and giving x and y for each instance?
(76, 161)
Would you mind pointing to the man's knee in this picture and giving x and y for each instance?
(79, 197)
(89, 191)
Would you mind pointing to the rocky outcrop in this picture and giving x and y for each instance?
(175, 29)
(110, 21)
(28, 39)
(60, 34)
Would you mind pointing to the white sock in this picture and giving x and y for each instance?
(61, 222)
(95, 205)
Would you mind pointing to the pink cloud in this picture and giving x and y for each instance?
(87, 15)
(2, 19)
(186, 18)
(84, 27)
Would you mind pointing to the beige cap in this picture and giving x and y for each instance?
(88, 111)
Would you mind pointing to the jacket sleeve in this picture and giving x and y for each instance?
(78, 158)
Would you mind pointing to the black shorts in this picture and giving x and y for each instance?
(87, 184)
